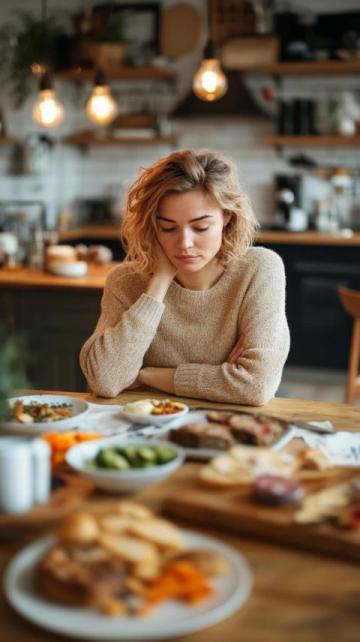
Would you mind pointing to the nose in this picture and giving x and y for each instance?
(186, 240)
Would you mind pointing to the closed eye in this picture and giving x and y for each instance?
(173, 229)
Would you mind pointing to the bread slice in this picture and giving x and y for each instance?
(129, 549)
(159, 532)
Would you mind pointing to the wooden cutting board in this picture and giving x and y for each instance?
(181, 29)
(235, 511)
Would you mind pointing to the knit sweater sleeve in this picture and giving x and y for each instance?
(112, 357)
(265, 337)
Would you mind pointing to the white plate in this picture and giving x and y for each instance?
(79, 407)
(204, 454)
(156, 420)
(169, 620)
(76, 269)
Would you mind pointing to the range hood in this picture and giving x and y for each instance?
(238, 101)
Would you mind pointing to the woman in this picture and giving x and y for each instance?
(193, 310)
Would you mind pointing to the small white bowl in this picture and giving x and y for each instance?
(121, 481)
(78, 406)
(157, 420)
(77, 268)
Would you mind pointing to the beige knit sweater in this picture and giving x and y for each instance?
(194, 331)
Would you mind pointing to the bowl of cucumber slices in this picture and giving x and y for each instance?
(121, 466)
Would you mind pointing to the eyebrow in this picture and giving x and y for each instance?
(193, 220)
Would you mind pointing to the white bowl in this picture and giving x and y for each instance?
(119, 481)
(77, 268)
(78, 406)
(158, 420)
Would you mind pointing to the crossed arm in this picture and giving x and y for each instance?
(163, 378)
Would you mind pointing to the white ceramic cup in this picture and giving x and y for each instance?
(16, 475)
(41, 470)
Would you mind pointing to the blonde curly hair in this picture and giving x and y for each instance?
(178, 173)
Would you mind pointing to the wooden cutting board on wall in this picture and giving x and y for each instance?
(235, 511)
(181, 29)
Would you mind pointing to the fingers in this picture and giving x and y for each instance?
(234, 358)
(237, 351)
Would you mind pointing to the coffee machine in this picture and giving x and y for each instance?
(288, 203)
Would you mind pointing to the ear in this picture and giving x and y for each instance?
(227, 218)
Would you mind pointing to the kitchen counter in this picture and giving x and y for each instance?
(297, 595)
(341, 238)
(26, 278)
(56, 314)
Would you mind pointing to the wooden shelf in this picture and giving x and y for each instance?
(87, 138)
(8, 140)
(315, 67)
(119, 73)
(314, 141)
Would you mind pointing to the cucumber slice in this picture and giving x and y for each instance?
(164, 454)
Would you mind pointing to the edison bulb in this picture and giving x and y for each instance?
(101, 108)
(48, 111)
(210, 81)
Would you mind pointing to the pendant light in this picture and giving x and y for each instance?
(47, 111)
(101, 108)
(210, 82)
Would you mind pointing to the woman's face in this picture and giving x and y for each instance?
(189, 229)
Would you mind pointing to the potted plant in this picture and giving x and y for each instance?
(13, 358)
(27, 46)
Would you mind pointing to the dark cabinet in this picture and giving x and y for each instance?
(56, 323)
(320, 328)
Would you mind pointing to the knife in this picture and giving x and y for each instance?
(304, 425)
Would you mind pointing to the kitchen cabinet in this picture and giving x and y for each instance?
(56, 315)
(320, 328)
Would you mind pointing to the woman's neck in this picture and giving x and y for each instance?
(202, 280)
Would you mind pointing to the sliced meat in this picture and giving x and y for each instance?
(277, 491)
(203, 435)
(219, 416)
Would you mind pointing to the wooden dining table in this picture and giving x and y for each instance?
(297, 596)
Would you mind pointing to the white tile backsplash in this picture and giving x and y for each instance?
(68, 174)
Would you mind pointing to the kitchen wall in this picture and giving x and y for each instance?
(64, 173)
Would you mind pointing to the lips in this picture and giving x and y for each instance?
(186, 257)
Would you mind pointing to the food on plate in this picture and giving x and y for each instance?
(81, 528)
(314, 459)
(60, 442)
(244, 464)
(132, 456)
(154, 407)
(223, 429)
(209, 562)
(141, 407)
(124, 562)
(334, 503)
(277, 491)
(257, 430)
(202, 435)
(59, 255)
(36, 412)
